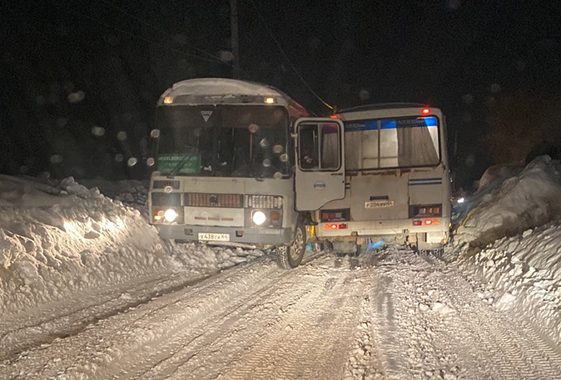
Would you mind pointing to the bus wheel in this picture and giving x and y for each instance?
(291, 256)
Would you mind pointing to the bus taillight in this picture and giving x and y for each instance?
(425, 111)
(335, 226)
(426, 222)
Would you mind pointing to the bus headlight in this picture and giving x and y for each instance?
(170, 215)
(258, 217)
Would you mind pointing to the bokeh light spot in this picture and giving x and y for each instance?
(364, 94)
(278, 149)
(76, 97)
(122, 136)
(253, 128)
(226, 56)
(56, 159)
(98, 131)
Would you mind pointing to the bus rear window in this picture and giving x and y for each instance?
(392, 143)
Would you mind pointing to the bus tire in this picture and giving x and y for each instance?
(290, 256)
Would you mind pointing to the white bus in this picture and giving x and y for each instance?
(397, 183)
(225, 166)
(240, 163)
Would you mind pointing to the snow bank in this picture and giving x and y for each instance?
(510, 206)
(509, 243)
(523, 273)
(57, 241)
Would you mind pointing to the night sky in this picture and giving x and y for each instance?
(80, 79)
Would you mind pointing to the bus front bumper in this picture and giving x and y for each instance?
(227, 235)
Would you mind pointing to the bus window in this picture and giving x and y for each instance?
(319, 146)
(329, 146)
(392, 143)
(308, 146)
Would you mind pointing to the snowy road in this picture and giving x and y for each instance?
(389, 315)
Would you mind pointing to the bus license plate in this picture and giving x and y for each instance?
(378, 204)
(213, 237)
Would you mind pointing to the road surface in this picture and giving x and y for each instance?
(383, 315)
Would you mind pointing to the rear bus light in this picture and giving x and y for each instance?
(425, 222)
(335, 226)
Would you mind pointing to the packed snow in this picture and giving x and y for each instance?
(72, 254)
(58, 241)
(509, 205)
(509, 240)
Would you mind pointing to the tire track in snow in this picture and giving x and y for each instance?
(448, 332)
(313, 340)
(513, 343)
(388, 315)
(94, 350)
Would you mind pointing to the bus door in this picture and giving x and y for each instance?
(320, 162)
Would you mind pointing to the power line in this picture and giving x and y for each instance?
(288, 60)
(156, 28)
(142, 38)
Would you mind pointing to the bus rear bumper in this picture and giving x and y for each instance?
(366, 234)
(227, 235)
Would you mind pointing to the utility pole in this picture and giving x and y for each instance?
(235, 39)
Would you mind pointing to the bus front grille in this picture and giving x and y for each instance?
(213, 200)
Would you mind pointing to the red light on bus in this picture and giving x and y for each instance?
(334, 116)
(334, 226)
(430, 222)
(417, 222)
(425, 111)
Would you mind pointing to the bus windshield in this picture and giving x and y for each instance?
(392, 143)
(224, 141)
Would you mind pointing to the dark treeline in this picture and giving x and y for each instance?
(80, 80)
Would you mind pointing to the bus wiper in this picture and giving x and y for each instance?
(181, 164)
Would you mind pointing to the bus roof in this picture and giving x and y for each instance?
(221, 86)
(383, 106)
(228, 91)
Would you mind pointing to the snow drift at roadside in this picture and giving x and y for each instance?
(56, 242)
(509, 243)
(510, 206)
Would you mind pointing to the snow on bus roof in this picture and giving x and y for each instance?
(223, 87)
